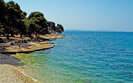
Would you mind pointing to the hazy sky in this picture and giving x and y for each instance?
(107, 15)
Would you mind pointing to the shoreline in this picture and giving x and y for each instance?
(23, 76)
(11, 74)
(27, 51)
(31, 46)
(13, 66)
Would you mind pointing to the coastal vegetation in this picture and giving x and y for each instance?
(14, 21)
(22, 33)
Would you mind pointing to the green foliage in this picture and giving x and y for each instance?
(2, 15)
(13, 20)
(37, 23)
(59, 28)
(51, 27)
(15, 23)
(2, 10)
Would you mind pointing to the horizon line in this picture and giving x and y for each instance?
(95, 30)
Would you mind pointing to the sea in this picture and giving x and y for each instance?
(84, 57)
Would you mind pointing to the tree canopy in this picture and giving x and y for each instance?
(59, 28)
(13, 20)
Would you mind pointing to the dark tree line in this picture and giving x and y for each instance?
(13, 20)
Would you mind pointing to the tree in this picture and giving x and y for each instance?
(2, 11)
(15, 23)
(37, 23)
(51, 27)
(3, 15)
(13, 20)
(27, 26)
(59, 28)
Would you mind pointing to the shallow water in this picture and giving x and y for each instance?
(85, 57)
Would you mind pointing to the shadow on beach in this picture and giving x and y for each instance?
(8, 59)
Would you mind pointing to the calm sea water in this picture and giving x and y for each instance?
(85, 57)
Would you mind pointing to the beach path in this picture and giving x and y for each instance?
(10, 73)
(7, 75)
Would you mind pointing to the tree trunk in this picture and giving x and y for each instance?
(21, 35)
(7, 37)
(36, 36)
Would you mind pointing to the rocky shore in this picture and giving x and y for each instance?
(10, 67)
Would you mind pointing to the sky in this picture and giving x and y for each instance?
(93, 15)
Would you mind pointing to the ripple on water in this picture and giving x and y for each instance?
(88, 57)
